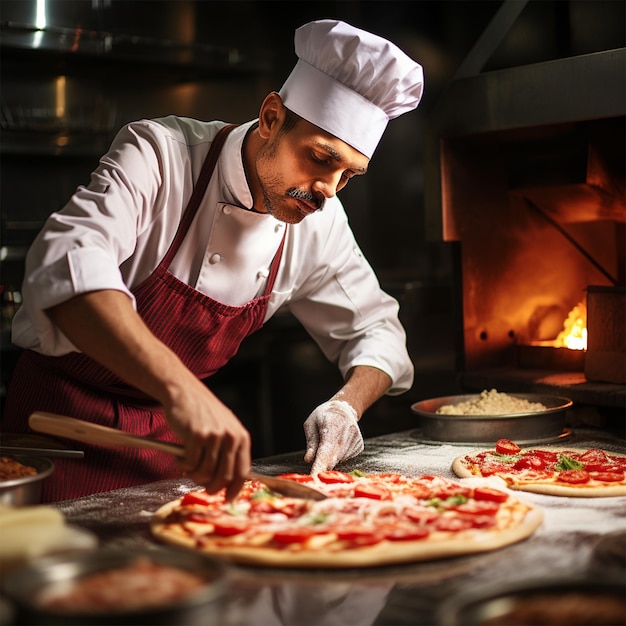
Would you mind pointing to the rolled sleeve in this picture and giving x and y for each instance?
(79, 271)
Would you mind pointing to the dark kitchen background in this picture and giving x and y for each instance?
(74, 71)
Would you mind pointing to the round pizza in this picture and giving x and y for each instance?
(365, 520)
(553, 471)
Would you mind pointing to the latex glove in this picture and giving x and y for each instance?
(332, 435)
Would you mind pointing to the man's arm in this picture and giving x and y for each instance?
(363, 386)
(105, 327)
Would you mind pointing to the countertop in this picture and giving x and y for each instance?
(405, 594)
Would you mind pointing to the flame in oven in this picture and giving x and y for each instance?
(574, 333)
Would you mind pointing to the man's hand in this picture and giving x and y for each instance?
(332, 435)
(217, 445)
(104, 326)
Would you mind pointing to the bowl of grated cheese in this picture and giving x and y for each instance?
(492, 415)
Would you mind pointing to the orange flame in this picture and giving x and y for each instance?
(574, 333)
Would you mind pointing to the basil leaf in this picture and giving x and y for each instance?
(316, 518)
(261, 494)
(568, 463)
(358, 473)
(455, 500)
(507, 458)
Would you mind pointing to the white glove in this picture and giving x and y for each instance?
(332, 435)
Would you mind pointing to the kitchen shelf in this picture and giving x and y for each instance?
(74, 51)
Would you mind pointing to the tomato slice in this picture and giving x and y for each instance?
(372, 491)
(225, 527)
(359, 535)
(549, 456)
(593, 455)
(574, 477)
(506, 446)
(293, 535)
(335, 476)
(490, 468)
(607, 477)
(298, 478)
(603, 467)
(530, 462)
(490, 494)
(199, 497)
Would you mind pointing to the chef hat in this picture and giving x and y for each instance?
(350, 82)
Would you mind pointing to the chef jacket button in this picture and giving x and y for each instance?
(277, 227)
(215, 258)
(262, 274)
(227, 210)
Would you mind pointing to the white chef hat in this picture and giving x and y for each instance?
(350, 82)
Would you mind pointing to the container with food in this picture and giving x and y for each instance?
(22, 477)
(119, 586)
(30, 532)
(525, 418)
(542, 602)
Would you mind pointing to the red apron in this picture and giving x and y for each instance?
(204, 333)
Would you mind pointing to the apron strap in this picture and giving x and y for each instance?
(198, 193)
(275, 264)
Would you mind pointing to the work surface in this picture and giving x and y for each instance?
(408, 594)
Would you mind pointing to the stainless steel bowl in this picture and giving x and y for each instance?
(26, 490)
(519, 427)
(48, 574)
(566, 602)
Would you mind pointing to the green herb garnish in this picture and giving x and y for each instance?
(506, 458)
(438, 503)
(358, 473)
(568, 463)
(317, 518)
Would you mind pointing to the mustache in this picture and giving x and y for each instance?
(298, 194)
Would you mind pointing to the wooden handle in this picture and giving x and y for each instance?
(88, 432)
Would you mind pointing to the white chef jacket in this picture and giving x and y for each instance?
(113, 233)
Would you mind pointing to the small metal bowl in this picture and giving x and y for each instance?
(523, 428)
(27, 586)
(26, 490)
(566, 602)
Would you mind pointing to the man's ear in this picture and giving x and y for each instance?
(271, 115)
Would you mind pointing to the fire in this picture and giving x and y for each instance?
(574, 333)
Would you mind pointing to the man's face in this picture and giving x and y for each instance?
(299, 169)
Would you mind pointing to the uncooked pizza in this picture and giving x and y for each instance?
(557, 471)
(366, 520)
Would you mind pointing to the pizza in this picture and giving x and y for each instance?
(366, 520)
(556, 471)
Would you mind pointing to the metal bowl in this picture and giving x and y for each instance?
(519, 427)
(26, 490)
(566, 602)
(27, 585)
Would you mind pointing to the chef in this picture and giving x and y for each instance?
(188, 237)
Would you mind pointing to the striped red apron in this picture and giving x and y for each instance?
(204, 333)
